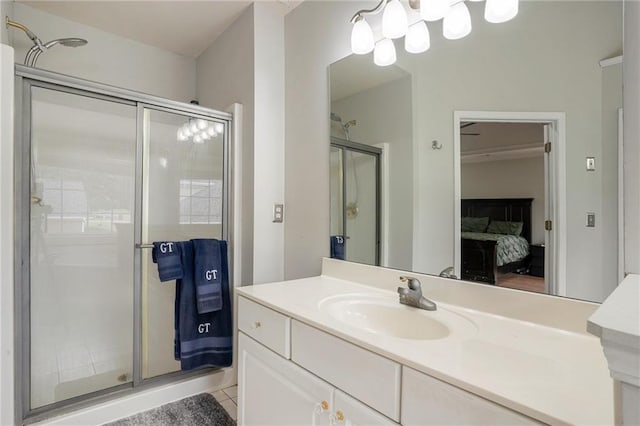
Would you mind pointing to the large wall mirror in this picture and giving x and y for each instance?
(496, 158)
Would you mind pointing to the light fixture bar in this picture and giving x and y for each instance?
(361, 13)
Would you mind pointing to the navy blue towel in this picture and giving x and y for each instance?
(167, 255)
(203, 340)
(208, 275)
(337, 247)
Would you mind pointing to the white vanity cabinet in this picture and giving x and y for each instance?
(294, 374)
(429, 401)
(274, 391)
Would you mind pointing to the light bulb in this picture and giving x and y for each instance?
(499, 11)
(362, 41)
(432, 10)
(181, 136)
(211, 131)
(394, 20)
(219, 127)
(201, 124)
(384, 53)
(193, 127)
(197, 139)
(186, 130)
(205, 135)
(457, 23)
(417, 39)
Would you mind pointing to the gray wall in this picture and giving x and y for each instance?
(316, 34)
(107, 58)
(632, 135)
(6, 9)
(226, 75)
(246, 65)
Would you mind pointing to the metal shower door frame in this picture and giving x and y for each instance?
(346, 145)
(25, 79)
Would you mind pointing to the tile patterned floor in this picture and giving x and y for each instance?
(228, 398)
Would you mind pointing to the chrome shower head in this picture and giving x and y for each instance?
(35, 52)
(71, 42)
(39, 47)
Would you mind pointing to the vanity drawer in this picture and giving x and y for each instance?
(429, 401)
(265, 325)
(372, 379)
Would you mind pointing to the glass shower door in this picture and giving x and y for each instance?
(355, 200)
(82, 176)
(182, 198)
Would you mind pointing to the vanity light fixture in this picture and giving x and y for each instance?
(417, 39)
(434, 10)
(362, 41)
(456, 24)
(384, 53)
(198, 131)
(394, 20)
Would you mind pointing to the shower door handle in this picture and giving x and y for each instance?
(144, 246)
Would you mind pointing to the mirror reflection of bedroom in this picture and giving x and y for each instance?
(503, 204)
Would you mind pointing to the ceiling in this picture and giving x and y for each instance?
(181, 26)
(487, 136)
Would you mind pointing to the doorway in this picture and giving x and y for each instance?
(101, 173)
(507, 173)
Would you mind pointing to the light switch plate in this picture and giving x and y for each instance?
(591, 220)
(591, 164)
(278, 213)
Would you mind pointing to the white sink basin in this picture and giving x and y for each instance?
(386, 316)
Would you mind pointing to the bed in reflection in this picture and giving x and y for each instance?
(496, 236)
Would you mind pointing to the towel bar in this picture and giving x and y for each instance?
(144, 246)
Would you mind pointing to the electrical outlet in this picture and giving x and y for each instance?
(591, 220)
(591, 164)
(278, 213)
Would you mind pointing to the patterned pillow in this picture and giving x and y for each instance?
(474, 224)
(505, 228)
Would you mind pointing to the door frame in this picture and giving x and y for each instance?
(555, 205)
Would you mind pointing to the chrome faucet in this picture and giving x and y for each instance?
(412, 296)
(448, 273)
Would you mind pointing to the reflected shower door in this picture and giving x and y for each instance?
(355, 199)
(182, 192)
(81, 245)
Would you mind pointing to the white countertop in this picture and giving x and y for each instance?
(555, 376)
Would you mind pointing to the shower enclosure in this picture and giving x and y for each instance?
(101, 173)
(355, 199)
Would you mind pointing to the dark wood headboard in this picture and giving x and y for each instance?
(507, 209)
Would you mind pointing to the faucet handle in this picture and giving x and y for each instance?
(412, 283)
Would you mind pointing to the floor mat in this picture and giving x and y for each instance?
(198, 410)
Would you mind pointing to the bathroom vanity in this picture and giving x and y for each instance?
(332, 350)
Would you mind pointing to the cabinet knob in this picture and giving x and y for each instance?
(321, 407)
(257, 324)
(339, 416)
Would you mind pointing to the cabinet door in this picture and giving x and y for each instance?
(274, 391)
(429, 401)
(348, 411)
